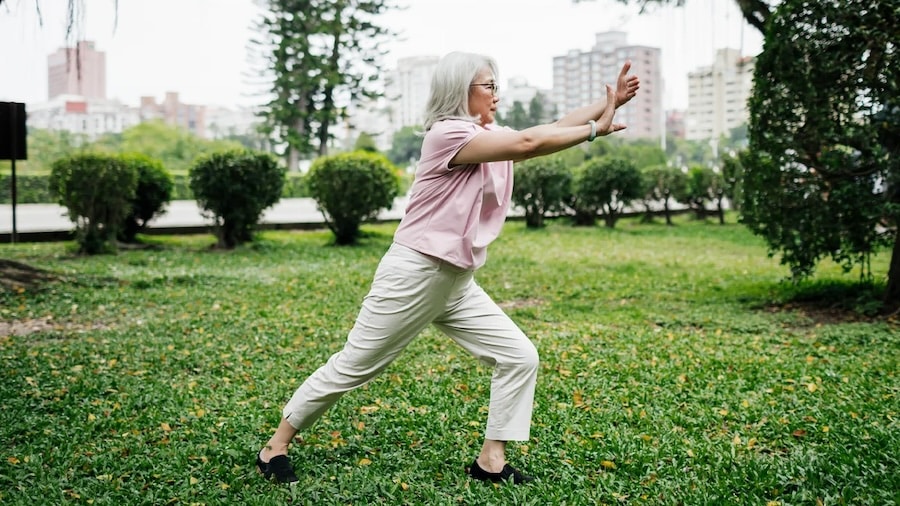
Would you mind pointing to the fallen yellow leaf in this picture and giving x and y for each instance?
(365, 462)
(608, 464)
(166, 427)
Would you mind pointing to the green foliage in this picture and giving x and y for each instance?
(819, 178)
(320, 54)
(97, 190)
(542, 186)
(704, 185)
(662, 183)
(604, 185)
(153, 192)
(732, 179)
(406, 145)
(234, 188)
(675, 369)
(365, 142)
(175, 147)
(517, 118)
(351, 188)
(31, 188)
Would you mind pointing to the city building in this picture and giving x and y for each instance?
(77, 71)
(718, 94)
(173, 112)
(90, 117)
(517, 89)
(406, 90)
(580, 77)
(675, 123)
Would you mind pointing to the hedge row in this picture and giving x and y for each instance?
(34, 188)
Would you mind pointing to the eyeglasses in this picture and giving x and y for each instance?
(493, 87)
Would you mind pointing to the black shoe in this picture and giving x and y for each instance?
(508, 472)
(279, 468)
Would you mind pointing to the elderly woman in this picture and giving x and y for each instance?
(458, 204)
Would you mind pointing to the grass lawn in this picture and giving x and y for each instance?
(676, 369)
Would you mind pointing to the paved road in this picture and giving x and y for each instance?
(179, 213)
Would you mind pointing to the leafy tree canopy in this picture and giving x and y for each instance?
(823, 168)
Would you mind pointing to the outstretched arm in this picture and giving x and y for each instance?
(626, 88)
(497, 145)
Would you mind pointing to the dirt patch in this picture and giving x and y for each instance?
(31, 326)
(520, 304)
(26, 327)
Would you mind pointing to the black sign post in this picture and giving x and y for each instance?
(12, 145)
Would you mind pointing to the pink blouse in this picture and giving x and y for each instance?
(453, 214)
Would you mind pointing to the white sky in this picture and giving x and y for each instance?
(199, 48)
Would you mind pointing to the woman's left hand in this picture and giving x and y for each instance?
(605, 125)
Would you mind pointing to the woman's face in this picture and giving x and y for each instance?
(483, 96)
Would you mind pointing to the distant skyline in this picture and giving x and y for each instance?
(199, 48)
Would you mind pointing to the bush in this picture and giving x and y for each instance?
(234, 188)
(662, 184)
(154, 191)
(543, 186)
(97, 190)
(607, 185)
(30, 189)
(351, 188)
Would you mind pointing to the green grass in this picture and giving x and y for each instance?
(675, 370)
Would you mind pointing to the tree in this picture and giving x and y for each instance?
(406, 146)
(537, 114)
(662, 183)
(543, 186)
(517, 118)
(756, 12)
(175, 147)
(823, 167)
(322, 55)
(604, 185)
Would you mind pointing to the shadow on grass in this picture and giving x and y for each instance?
(833, 301)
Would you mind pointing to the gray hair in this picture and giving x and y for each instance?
(449, 98)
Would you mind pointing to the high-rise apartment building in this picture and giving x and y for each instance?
(77, 71)
(407, 88)
(717, 95)
(580, 77)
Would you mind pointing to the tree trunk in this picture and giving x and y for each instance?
(328, 92)
(892, 292)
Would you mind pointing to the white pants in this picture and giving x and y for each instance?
(410, 291)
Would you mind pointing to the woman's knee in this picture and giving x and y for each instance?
(526, 356)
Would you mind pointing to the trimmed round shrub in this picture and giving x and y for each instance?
(543, 186)
(154, 191)
(604, 185)
(352, 188)
(97, 190)
(233, 188)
